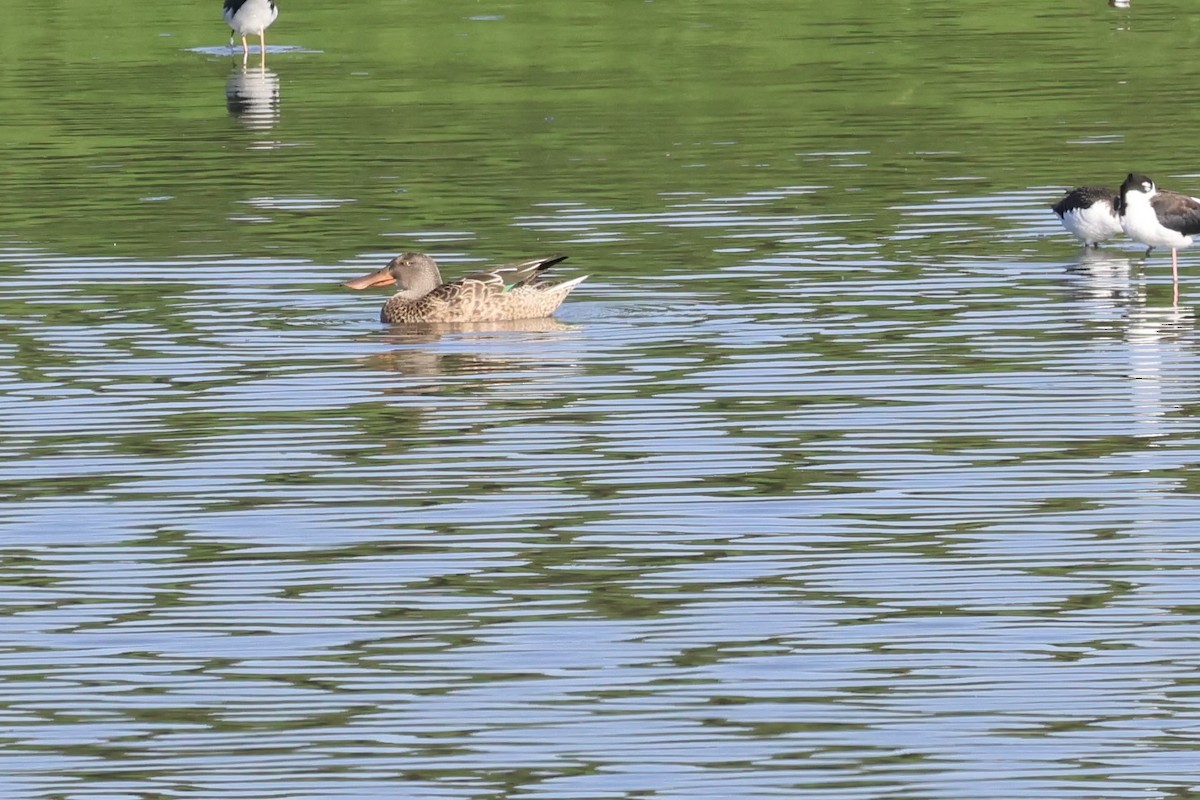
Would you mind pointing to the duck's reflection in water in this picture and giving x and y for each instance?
(519, 358)
(413, 333)
(252, 96)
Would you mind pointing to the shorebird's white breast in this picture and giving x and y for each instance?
(1141, 223)
(1095, 223)
(252, 17)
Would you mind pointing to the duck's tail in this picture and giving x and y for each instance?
(567, 286)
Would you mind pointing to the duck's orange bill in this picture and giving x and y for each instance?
(381, 278)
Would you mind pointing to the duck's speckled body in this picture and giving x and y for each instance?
(503, 293)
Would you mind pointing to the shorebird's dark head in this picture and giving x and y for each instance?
(1138, 183)
(1134, 182)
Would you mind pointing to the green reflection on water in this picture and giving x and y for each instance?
(415, 117)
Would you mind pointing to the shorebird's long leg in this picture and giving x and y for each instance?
(1175, 273)
(262, 44)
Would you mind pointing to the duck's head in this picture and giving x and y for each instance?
(416, 273)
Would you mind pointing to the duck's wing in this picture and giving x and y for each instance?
(502, 279)
(470, 288)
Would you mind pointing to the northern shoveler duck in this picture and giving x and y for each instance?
(1090, 213)
(1158, 218)
(502, 293)
(247, 17)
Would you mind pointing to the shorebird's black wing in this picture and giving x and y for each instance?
(1085, 197)
(1177, 212)
(232, 6)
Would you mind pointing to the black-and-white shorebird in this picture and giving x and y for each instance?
(1090, 213)
(247, 17)
(1158, 218)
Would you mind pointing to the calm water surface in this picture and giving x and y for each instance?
(846, 474)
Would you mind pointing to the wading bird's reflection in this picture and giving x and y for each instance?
(1106, 277)
(1114, 279)
(1103, 271)
(252, 95)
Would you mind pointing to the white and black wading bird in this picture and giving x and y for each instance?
(246, 17)
(1158, 218)
(1090, 213)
